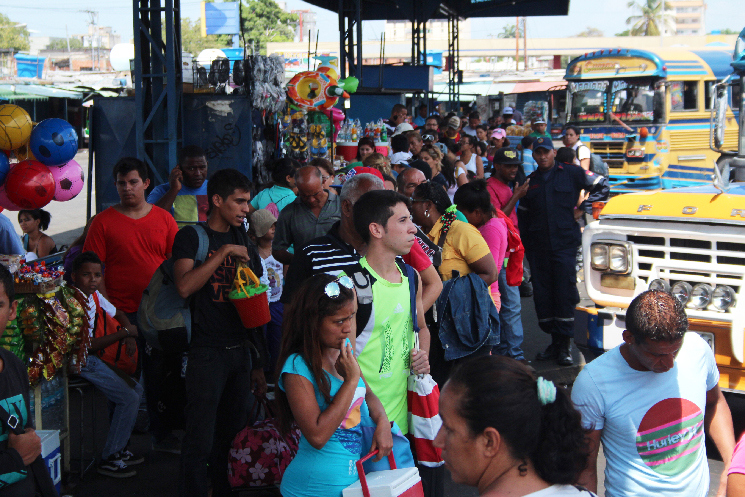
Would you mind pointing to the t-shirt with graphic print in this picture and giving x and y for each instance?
(190, 205)
(652, 423)
(330, 469)
(274, 274)
(384, 346)
(215, 320)
(14, 480)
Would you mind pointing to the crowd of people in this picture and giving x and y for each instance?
(412, 263)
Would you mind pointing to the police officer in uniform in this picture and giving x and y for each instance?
(551, 235)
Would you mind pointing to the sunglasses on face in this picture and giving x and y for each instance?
(332, 289)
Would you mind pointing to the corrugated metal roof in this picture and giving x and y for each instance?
(477, 88)
(44, 91)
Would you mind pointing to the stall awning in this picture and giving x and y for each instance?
(529, 86)
(11, 96)
(483, 88)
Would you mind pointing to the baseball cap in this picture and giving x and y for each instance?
(507, 155)
(454, 122)
(499, 133)
(527, 141)
(543, 142)
(540, 120)
(428, 137)
(363, 170)
(401, 158)
(508, 110)
(402, 128)
(261, 221)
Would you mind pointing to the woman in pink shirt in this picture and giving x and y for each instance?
(474, 201)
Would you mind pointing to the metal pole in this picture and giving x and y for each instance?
(525, 43)
(517, 43)
(342, 48)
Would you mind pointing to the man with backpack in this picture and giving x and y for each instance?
(224, 357)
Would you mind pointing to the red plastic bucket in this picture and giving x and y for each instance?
(254, 311)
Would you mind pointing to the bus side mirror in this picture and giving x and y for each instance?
(719, 110)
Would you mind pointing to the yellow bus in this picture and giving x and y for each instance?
(646, 113)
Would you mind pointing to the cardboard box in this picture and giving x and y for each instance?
(50, 452)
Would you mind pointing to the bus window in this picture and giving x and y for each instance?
(587, 101)
(634, 104)
(683, 95)
(707, 94)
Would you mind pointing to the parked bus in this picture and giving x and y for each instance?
(689, 241)
(646, 113)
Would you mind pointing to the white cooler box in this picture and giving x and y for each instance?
(50, 452)
(403, 482)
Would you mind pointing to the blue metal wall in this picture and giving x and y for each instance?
(220, 124)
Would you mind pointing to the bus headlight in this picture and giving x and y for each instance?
(612, 255)
(599, 256)
(619, 259)
(682, 291)
(661, 285)
(723, 298)
(701, 296)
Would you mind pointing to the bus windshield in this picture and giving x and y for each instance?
(587, 101)
(633, 102)
(630, 101)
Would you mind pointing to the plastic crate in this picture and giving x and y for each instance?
(50, 452)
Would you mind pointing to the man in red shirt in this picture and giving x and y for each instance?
(132, 238)
(503, 197)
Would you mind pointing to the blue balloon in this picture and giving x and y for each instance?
(4, 167)
(54, 142)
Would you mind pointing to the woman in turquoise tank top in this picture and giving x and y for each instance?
(321, 388)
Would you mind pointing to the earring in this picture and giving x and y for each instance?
(426, 213)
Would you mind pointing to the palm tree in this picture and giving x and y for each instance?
(653, 15)
(508, 31)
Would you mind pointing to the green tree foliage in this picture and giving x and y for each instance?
(624, 33)
(12, 36)
(590, 33)
(264, 21)
(652, 15)
(61, 44)
(727, 31)
(192, 40)
(508, 31)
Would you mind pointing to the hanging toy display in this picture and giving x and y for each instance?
(318, 142)
(320, 89)
(297, 137)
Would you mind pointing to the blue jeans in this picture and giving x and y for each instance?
(123, 394)
(510, 323)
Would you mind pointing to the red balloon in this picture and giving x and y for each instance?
(30, 185)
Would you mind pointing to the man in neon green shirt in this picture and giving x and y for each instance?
(385, 348)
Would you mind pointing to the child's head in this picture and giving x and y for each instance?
(261, 225)
(87, 272)
(7, 294)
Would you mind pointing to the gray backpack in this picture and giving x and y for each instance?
(164, 317)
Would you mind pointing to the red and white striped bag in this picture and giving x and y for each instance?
(424, 419)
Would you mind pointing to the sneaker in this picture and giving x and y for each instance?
(170, 444)
(129, 458)
(116, 468)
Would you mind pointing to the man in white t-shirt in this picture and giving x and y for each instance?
(582, 153)
(649, 401)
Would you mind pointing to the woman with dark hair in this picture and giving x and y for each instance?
(505, 433)
(322, 390)
(365, 147)
(474, 202)
(464, 250)
(453, 155)
(469, 156)
(282, 192)
(33, 222)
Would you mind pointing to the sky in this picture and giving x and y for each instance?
(56, 18)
